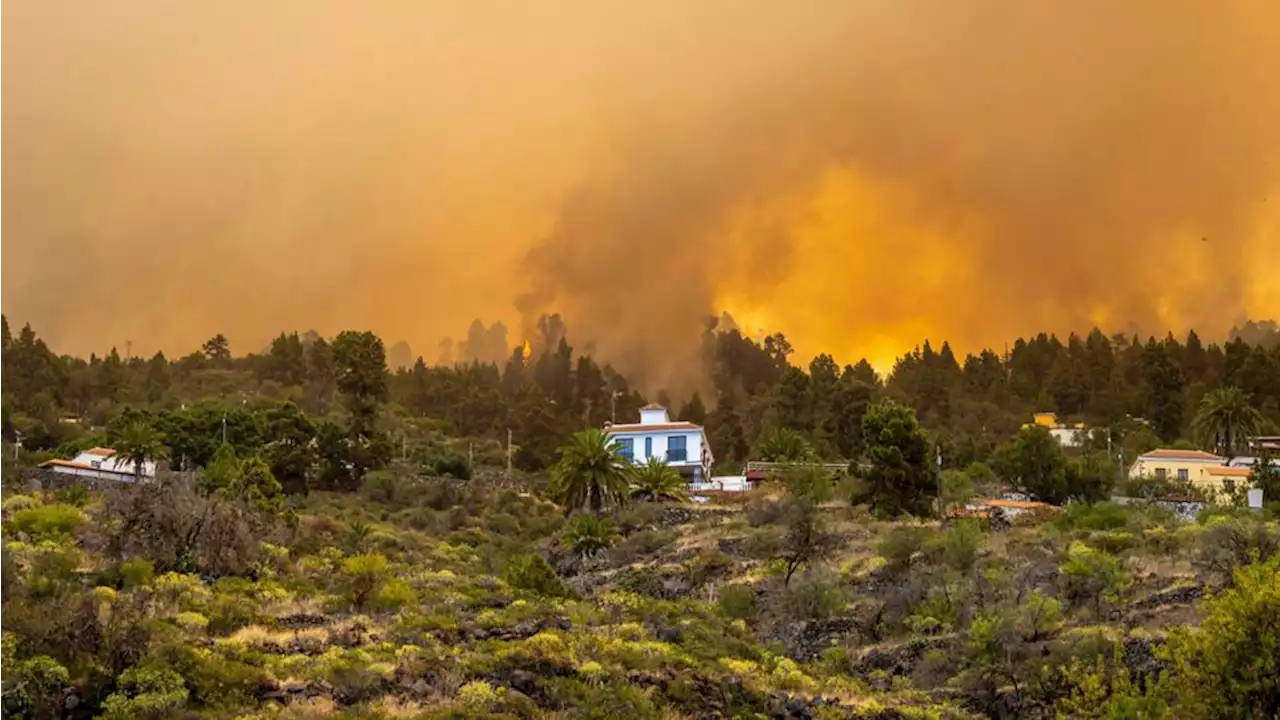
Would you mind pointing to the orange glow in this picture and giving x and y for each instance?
(859, 176)
(526, 351)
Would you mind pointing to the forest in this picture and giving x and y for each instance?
(325, 390)
(330, 537)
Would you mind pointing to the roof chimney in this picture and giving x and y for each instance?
(653, 414)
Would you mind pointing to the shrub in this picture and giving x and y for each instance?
(75, 494)
(146, 692)
(738, 602)
(1099, 516)
(363, 577)
(639, 544)
(532, 572)
(136, 572)
(395, 594)
(1091, 575)
(900, 546)
(587, 534)
(1039, 617)
(39, 682)
(763, 544)
(1230, 665)
(479, 694)
(452, 465)
(960, 543)
(51, 569)
(818, 596)
(1114, 542)
(762, 510)
(1227, 544)
(45, 521)
(706, 566)
(14, 503)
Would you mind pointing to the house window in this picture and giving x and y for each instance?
(1162, 474)
(627, 447)
(97, 464)
(648, 447)
(1184, 474)
(677, 451)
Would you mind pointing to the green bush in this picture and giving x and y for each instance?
(900, 545)
(52, 570)
(532, 572)
(394, 595)
(639, 544)
(817, 596)
(136, 572)
(587, 534)
(38, 682)
(1091, 576)
(1099, 516)
(1229, 667)
(959, 544)
(146, 692)
(363, 577)
(737, 602)
(1039, 617)
(48, 520)
(450, 464)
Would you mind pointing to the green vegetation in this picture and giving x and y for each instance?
(327, 538)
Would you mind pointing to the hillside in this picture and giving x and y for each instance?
(435, 598)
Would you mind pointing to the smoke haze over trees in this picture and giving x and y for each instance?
(858, 175)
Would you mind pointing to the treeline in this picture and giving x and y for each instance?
(358, 414)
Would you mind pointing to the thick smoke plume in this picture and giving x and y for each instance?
(859, 175)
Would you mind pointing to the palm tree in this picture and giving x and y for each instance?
(592, 472)
(785, 445)
(656, 480)
(1226, 419)
(137, 444)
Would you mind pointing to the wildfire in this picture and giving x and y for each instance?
(526, 351)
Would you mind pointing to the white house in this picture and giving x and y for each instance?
(1072, 435)
(683, 445)
(99, 464)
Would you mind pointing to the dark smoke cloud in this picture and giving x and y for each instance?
(856, 174)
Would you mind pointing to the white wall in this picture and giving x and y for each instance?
(1068, 437)
(93, 474)
(693, 445)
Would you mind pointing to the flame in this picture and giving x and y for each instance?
(526, 351)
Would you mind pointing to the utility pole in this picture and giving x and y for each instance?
(508, 452)
(224, 428)
(128, 349)
(938, 461)
(613, 407)
(17, 443)
(471, 455)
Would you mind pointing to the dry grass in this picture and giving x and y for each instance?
(317, 707)
(391, 706)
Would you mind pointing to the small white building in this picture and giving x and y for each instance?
(1072, 435)
(682, 445)
(100, 464)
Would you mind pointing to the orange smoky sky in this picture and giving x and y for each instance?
(859, 174)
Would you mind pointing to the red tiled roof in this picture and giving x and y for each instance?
(104, 452)
(66, 463)
(1017, 504)
(1170, 454)
(653, 406)
(638, 427)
